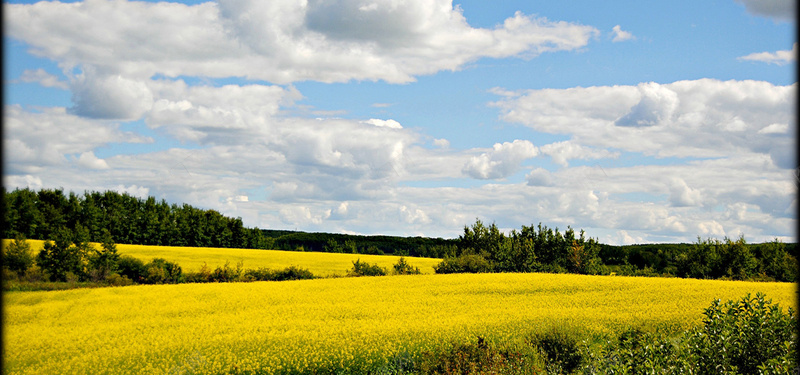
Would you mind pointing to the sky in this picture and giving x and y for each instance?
(638, 122)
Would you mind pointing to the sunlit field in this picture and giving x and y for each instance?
(320, 264)
(349, 324)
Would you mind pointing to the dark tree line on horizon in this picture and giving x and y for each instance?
(128, 219)
(123, 218)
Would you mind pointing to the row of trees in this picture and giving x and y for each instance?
(484, 248)
(131, 220)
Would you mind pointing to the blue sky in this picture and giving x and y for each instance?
(638, 122)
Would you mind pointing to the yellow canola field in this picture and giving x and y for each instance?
(344, 324)
(320, 264)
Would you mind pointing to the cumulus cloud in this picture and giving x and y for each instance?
(783, 10)
(540, 177)
(384, 123)
(89, 160)
(621, 35)
(562, 152)
(777, 58)
(681, 195)
(281, 42)
(501, 161)
(700, 118)
(33, 141)
(110, 97)
(43, 78)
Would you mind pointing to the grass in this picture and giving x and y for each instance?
(345, 325)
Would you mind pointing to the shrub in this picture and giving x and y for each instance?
(365, 269)
(403, 268)
(226, 273)
(749, 336)
(560, 349)
(293, 273)
(161, 271)
(132, 268)
(743, 336)
(465, 263)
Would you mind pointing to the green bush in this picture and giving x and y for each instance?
(741, 337)
(292, 273)
(131, 268)
(749, 336)
(465, 263)
(561, 350)
(365, 269)
(403, 268)
(161, 271)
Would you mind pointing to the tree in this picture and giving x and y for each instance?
(17, 256)
(104, 262)
(67, 255)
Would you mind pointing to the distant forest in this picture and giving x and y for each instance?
(481, 248)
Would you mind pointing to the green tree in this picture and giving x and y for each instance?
(17, 257)
(104, 262)
(66, 255)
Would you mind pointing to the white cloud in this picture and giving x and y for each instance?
(777, 58)
(89, 160)
(43, 78)
(681, 195)
(783, 10)
(501, 161)
(283, 41)
(110, 97)
(621, 35)
(540, 177)
(384, 123)
(35, 140)
(562, 152)
(701, 118)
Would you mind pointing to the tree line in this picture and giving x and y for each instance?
(483, 248)
(130, 220)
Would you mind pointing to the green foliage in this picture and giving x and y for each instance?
(480, 357)
(403, 268)
(132, 268)
(161, 271)
(128, 219)
(561, 350)
(466, 263)
(365, 269)
(67, 256)
(104, 263)
(740, 336)
(17, 257)
(749, 336)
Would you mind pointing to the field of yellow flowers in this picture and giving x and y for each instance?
(338, 324)
(320, 264)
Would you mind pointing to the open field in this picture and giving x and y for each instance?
(320, 264)
(350, 324)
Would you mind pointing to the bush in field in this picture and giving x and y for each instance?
(131, 268)
(749, 336)
(161, 271)
(403, 268)
(365, 269)
(560, 349)
(466, 263)
(226, 273)
(744, 337)
(17, 257)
